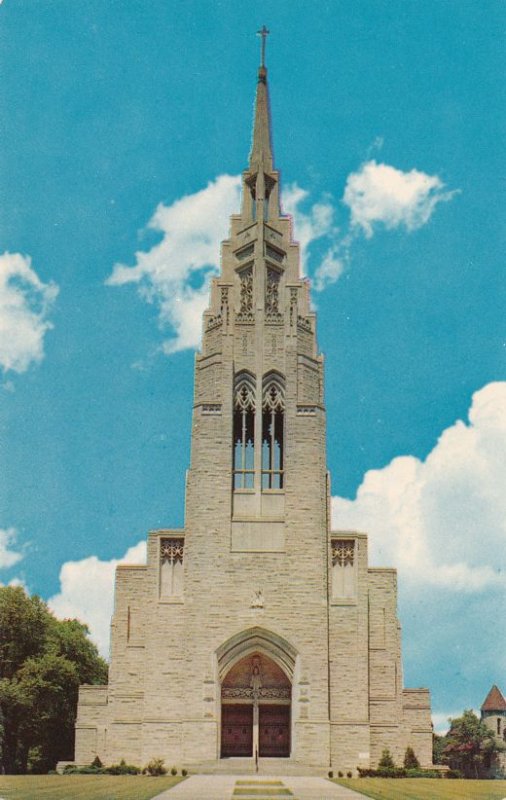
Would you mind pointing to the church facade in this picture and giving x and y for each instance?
(257, 631)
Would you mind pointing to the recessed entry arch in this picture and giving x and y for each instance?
(253, 640)
(256, 671)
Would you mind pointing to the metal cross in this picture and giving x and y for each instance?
(263, 32)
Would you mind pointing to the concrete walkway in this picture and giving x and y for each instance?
(235, 787)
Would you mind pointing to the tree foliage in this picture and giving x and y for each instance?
(42, 662)
(469, 745)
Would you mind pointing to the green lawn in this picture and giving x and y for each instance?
(426, 789)
(83, 787)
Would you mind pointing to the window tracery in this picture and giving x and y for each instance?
(273, 406)
(171, 567)
(343, 552)
(244, 431)
(343, 568)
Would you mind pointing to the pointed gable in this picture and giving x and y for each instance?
(494, 700)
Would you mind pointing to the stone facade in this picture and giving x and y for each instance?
(257, 630)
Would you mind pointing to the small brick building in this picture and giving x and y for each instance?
(257, 630)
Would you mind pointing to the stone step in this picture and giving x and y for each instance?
(266, 766)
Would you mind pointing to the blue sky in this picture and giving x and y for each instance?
(388, 123)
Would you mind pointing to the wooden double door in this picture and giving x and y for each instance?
(237, 731)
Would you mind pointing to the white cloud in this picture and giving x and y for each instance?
(382, 194)
(441, 521)
(87, 592)
(8, 557)
(174, 274)
(25, 302)
(309, 225)
(440, 721)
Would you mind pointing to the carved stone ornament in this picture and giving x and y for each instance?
(247, 692)
(304, 323)
(272, 296)
(214, 322)
(246, 295)
(257, 601)
(171, 550)
(222, 315)
(224, 304)
(343, 552)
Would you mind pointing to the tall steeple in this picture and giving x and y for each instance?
(261, 150)
(260, 180)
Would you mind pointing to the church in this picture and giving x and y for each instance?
(256, 635)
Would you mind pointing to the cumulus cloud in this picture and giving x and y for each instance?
(312, 222)
(25, 302)
(379, 194)
(174, 274)
(8, 556)
(87, 592)
(441, 521)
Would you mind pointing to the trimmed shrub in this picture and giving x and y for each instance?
(410, 759)
(349, 774)
(173, 771)
(155, 767)
(386, 761)
(340, 774)
(122, 769)
(397, 772)
(184, 773)
(96, 763)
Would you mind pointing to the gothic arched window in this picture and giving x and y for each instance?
(244, 431)
(273, 412)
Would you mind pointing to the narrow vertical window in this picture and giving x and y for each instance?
(171, 567)
(343, 568)
(273, 412)
(244, 431)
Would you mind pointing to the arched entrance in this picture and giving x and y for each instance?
(255, 709)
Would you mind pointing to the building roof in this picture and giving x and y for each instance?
(494, 700)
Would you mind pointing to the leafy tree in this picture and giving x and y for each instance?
(438, 745)
(410, 759)
(386, 761)
(42, 662)
(469, 745)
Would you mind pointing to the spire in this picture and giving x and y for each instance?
(494, 700)
(261, 151)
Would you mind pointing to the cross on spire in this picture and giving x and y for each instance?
(263, 32)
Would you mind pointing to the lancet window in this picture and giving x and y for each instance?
(273, 412)
(244, 431)
(171, 567)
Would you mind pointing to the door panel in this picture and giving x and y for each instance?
(274, 731)
(236, 730)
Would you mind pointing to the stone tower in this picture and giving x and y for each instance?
(493, 714)
(256, 631)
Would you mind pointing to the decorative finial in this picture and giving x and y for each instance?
(263, 32)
